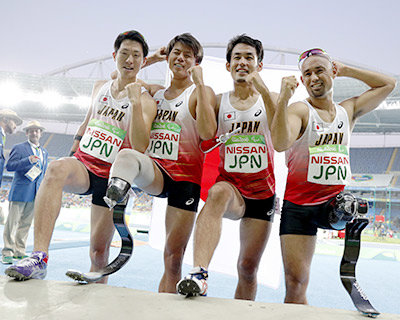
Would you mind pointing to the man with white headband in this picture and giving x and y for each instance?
(310, 130)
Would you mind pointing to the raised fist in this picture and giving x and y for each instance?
(134, 91)
(197, 74)
(255, 79)
(289, 85)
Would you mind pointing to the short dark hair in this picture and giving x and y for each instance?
(131, 35)
(243, 38)
(188, 40)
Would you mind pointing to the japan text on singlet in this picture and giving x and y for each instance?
(174, 140)
(247, 157)
(318, 163)
(106, 133)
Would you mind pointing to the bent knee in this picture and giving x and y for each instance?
(57, 170)
(128, 155)
(220, 191)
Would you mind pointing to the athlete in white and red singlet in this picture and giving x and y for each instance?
(181, 159)
(316, 135)
(245, 187)
(172, 166)
(120, 112)
(106, 133)
(247, 158)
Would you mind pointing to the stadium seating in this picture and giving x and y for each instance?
(370, 160)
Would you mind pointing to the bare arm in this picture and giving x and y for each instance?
(269, 98)
(381, 86)
(158, 56)
(288, 122)
(204, 105)
(143, 113)
(151, 88)
(81, 130)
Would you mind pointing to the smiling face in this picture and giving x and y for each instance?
(180, 59)
(243, 62)
(34, 135)
(129, 59)
(317, 76)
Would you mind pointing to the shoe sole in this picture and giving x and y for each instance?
(20, 277)
(189, 288)
(16, 275)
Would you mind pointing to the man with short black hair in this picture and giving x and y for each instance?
(245, 187)
(119, 117)
(172, 166)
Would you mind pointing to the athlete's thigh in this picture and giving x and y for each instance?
(297, 253)
(254, 234)
(178, 225)
(101, 226)
(77, 175)
(157, 186)
(235, 204)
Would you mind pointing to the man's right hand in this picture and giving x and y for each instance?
(159, 55)
(134, 91)
(33, 159)
(288, 87)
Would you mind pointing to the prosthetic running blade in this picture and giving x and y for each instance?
(122, 258)
(348, 267)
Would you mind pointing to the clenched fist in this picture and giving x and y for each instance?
(288, 87)
(255, 79)
(134, 91)
(197, 75)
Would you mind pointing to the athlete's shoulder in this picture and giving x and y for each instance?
(99, 83)
(298, 107)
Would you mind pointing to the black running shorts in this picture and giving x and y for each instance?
(97, 188)
(181, 194)
(304, 220)
(263, 209)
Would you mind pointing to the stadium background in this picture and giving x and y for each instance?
(59, 100)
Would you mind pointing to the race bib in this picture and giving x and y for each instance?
(33, 173)
(164, 140)
(329, 165)
(102, 140)
(246, 154)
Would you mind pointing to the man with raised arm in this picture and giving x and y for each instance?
(119, 117)
(315, 133)
(245, 187)
(172, 166)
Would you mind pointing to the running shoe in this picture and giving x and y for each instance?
(194, 284)
(33, 267)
